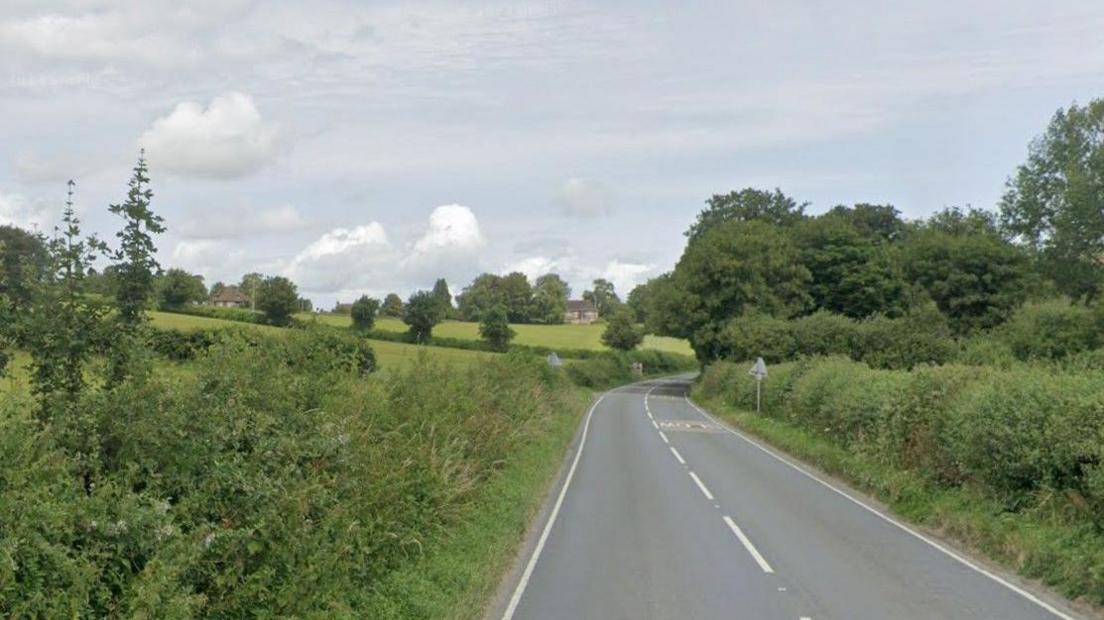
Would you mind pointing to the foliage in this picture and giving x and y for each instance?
(611, 368)
(179, 288)
(621, 331)
(444, 297)
(1053, 330)
(747, 205)
(1055, 202)
(24, 262)
(550, 294)
(603, 297)
(134, 260)
(278, 298)
(495, 330)
(422, 313)
(240, 315)
(392, 306)
(732, 269)
(975, 278)
(363, 312)
(879, 223)
(250, 284)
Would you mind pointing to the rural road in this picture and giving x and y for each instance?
(665, 513)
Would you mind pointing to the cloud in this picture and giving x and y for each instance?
(17, 210)
(239, 222)
(226, 139)
(580, 273)
(215, 260)
(343, 259)
(583, 198)
(451, 228)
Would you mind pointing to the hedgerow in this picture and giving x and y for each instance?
(265, 481)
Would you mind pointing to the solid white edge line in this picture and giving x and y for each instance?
(758, 557)
(888, 519)
(664, 437)
(701, 485)
(677, 455)
(525, 576)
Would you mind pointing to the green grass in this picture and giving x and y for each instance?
(388, 354)
(552, 336)
(1043, 543)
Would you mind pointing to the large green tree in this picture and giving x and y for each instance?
(423, 312)
(731, 269)
(603, 296)
(494, 328)
(24, 262)
(517, 294)
(484, 292)
(278, 298)
(178, 288)
(621, 332)
(550, 295)
(364, 312)
(1055, 201)
(976, 279)
(444, 297)
(748, 205)
(392, 306)
(880, 223)
(251, 285)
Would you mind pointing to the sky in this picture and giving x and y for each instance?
(364, 147)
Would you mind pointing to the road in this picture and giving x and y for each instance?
(666, 513)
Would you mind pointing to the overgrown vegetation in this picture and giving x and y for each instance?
(1008, 461)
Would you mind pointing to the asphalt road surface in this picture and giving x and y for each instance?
(666, 513)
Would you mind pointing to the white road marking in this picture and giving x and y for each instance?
(655, 425)
(528, 573)
(705, 491)
(664, 437)
(888, 519)
(747, 545)
(677, 455)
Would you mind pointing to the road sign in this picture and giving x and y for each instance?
(759, 370)
(554, 360)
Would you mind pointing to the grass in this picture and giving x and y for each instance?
(553, 336)
(1040, 544)
(457, 578)
(388, 354)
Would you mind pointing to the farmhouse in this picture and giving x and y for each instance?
(230, 297)
(580, 312)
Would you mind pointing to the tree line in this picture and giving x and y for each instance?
(759, 253)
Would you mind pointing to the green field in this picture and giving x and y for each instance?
(388, 354)
(552, 336)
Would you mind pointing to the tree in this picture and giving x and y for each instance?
(621, 332)
(977, 280)
(251, 285)
(1055, 202)
(881, 223)
(638, 301)
(278, 298)
(364, 312)
(550, 295)
(423, 312)
(494, 329)
(305, 305)
(852, 274)
(392, 306)
(217, 288)
(748, 205)
(603, 296)
(24, 262)
(135, 258)
(517, 295)
(484, 292)
(444, 297)
(178, 288)
(731, 269)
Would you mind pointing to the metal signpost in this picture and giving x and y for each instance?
(759, 371)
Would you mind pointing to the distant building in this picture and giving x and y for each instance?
(580, 312)
(230, 297)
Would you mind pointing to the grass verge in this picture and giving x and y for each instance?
(1042, 543)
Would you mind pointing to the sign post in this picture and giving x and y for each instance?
(759, 371)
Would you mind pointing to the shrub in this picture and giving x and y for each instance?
(921, 337)
(749, 337)
(824, 333)
(1052, 330)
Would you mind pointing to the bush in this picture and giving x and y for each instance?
(1053, 330)
(179, 346)
(615, 367)
(746, 338)
(921, 337)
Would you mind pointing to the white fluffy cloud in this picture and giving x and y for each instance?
(583, 198)
(17, 210)
(226, 139)
(580, 273)
(343, 259)
(451, 228)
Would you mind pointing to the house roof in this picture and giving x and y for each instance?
(231, 294)
(580, 305)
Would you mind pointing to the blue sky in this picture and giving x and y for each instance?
(371, 147)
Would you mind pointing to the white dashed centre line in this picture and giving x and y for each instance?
(655, 425)
(664, 437)
(747, 545)
(701, 485)
(677, 455)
